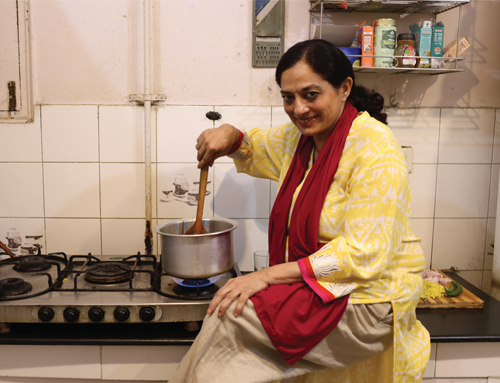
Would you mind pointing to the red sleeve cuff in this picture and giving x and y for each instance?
(310, 278)
(236, 145)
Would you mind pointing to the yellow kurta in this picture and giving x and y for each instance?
(371, 251)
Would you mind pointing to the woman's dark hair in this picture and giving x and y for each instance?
(332, 65)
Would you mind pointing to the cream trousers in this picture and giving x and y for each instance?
(230, 350)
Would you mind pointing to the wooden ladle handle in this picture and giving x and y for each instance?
(202, 192)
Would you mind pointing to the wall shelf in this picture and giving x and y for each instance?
(388, 6)
(423, 71)
(401, 7)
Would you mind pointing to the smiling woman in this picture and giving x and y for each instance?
(337, 303)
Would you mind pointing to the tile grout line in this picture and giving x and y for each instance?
(485, 247)
(100, 180)
(435, 189)
(43, 180)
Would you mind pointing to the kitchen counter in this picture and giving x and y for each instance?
(444, 325)
(465, 324)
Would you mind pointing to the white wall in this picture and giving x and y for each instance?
(75, 175)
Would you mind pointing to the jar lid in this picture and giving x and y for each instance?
(406, 36)
(389, 22)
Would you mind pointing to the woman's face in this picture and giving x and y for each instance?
(311, 102)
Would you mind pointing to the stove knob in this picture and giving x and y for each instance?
(45, 314)
(147, 314)
(96, 314)
(121, 314)
(71, 314)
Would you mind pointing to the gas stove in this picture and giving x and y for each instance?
(55, 288)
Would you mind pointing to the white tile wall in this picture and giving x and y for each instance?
(21, 142)
(458, 243)
(468, 360)
(178, 127)
(492, 206)
(81, 167)
(462, 191)
(70, 133)
(50, 361)
(250, 236)
(123, 190)
(431, 366)
(145, 363)
(239, 195)
(474, 277)
(490, 241)
(466, 136)
(22, 192)
(71, 189)
(487, 278)
(423, 190)
(418, 128)
(125, 236)
(121, 134)
(496, 146)
(245, 117)
(73, 236)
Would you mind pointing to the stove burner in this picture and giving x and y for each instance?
(108, 273)
(14, 286)
(194, 291)
(193, 282)
(32, 263)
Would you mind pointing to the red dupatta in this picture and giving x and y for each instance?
(294, 317)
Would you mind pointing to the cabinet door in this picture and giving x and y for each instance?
(15, 94)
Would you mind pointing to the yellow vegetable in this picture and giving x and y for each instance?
(432, 290)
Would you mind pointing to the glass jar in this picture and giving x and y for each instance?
(406, 48)
(384, 42)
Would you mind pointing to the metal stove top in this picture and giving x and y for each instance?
(63, 290)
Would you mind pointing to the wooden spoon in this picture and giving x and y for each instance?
(7, 250)
(198, 228)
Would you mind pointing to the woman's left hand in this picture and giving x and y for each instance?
(241, 288)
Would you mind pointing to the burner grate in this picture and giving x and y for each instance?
(32, 264)
(108, 273)
(88, 273)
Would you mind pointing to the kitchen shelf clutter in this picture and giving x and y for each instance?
(401, 8)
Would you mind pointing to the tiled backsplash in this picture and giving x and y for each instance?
(73, 180)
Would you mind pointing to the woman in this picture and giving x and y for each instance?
(337, 303)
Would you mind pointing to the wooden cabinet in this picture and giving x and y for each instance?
(16, 101)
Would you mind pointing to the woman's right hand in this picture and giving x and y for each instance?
(215, 143)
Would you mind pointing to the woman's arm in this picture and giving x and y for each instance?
(243, 288)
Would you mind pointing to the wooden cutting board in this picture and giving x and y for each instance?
(466, 300)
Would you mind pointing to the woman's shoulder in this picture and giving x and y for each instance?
(285, 133)
(371, 134)
(365, 126)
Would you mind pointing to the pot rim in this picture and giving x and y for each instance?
(191, 221)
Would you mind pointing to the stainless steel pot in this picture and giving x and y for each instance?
(199, 255)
